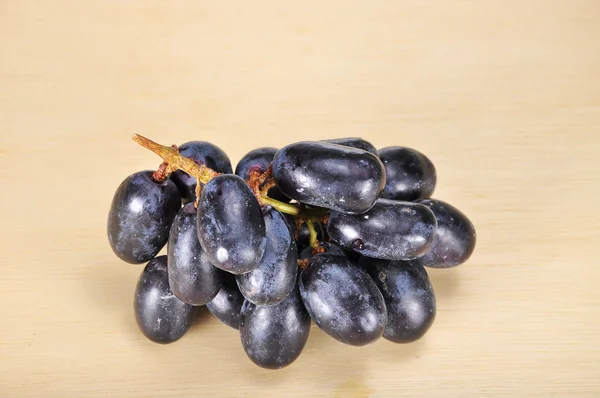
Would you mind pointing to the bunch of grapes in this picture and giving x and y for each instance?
(332, 231)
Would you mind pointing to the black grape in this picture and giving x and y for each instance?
(343, 300)
(408, 296)
(259, 160)
(140, 217)
(274, 336)
(192, 277)
(231, 228)
(354, 142)
(227, 304)
(455, 237)
(275, 277)
(329, 175)
(205, 154)
(409, 174)
(390, 230)
(160, 315)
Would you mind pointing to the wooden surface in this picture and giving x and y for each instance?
(504, 96)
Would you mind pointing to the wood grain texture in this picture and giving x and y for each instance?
(503, 96)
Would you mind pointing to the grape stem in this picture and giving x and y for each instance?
(175, 161)
(314, 243)
(259, 183)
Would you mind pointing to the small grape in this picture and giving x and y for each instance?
(409, 174)
(140, 217)
(160, 315)
(274, 336)
(455, 237)
(408, 296)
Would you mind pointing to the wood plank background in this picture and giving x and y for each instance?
(503, 96)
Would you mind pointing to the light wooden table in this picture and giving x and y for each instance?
(503, 95)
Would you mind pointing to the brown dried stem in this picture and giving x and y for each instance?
(175, 161)
(260, 185)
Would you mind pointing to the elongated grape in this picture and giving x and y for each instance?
(354, 142)
(231, 227)
(259, 160)
(389, 230)
(192, 277)
(275, 277)
(205, 154)
(410, 175)
(329, 175)
(274, 336)
(227, 304)
(140, 217)
(343, 300)
(159, 314)
(408, 296)
(455, 237)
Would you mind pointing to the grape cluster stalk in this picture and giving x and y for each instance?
(333, 232)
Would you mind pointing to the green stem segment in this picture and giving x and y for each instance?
(314, 243)
(287, 208)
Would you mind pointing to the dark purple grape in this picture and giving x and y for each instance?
(390, 230)
(354, 142)
(259, 160)
(160, 315)
(274, 336)
(329, 175)
(231, 227)
(192, 277)
(275, 277)
(455, 237)
(408, 296)
(140, 217)
(409, 174)
(343, 300)
(205, 154)
(227, 304)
